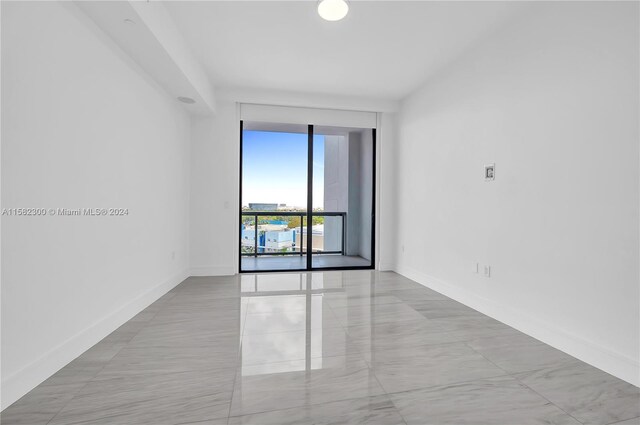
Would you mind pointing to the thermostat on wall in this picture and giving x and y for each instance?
(490, 172)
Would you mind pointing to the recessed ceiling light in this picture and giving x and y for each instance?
(186, 100)
(129, 22)
(333, 10)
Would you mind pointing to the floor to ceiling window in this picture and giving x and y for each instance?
(306, 197)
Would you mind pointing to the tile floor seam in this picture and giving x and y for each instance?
(623, 420)
(569, 414)
(398, 410)
(370, 363)
(450, 383)
(513, 375)
(107, 362)
(235, 376)
(360, 352)
(306, 405)
(373, 372)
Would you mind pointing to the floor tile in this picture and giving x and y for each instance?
(376, 314)
(369, 410)
(396, 279)
(438, 309)
(126, 332)
(150, 398)
(465, 328)
(294, 345)
(302, 383)
(135, 361)
(221, 421)
(78, 371)
(273, 283)
(363, 290)
(494, 401)
(429, 365)
(319, 317)
(634, 421)
(417, 294)
(519, 353)
(321, 348)
(189, 334)
(39, 406)
(278, 303)
(397, 335)
(227, 320)
(588, 394)
(207, 302)
(344, 300)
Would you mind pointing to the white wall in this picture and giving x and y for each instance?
(214, 192)
(366, 186)
(386, 192)
(82, 128)
(353, 165)
(336, 187)
(553, 101)
(214, 182)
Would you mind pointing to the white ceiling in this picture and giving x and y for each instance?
(382, 49)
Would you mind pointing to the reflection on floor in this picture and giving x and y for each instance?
(296, 262)
(332, 348)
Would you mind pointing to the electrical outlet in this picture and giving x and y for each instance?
(402, 248)
(487, 271)
(173, 255)
(476, 268)
(490, 172)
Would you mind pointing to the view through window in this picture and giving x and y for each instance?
(275, 231)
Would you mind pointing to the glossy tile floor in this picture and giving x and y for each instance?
(355, 347)
(297, 262)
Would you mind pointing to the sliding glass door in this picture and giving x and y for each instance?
(307, 197)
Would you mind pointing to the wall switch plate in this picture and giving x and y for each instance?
(476, 268)
(490, 172)
(487, 271)
(173, 255)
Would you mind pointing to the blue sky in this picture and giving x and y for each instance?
(274, 168)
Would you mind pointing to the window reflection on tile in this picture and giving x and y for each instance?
(270, 304)
(272, 283)
(288, 323)
(327, 280)
(285, 320)
(282, 367)
(286, 340)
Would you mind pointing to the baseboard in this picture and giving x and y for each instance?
(212, 270)
(384, 267)
(21, 382)
(614, 363)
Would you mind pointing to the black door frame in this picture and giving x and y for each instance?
(309, 242)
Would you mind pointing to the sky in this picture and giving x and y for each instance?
(274, 168)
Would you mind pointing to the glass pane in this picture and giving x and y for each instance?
(274, 194)
(342, 197)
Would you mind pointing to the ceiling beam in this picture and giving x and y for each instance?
(147, 34)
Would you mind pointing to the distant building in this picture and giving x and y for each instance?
(275, 240)
(262, 207)
(278, 241)
(278, 238)
(317, 238)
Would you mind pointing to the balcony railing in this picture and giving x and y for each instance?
(253, 247)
